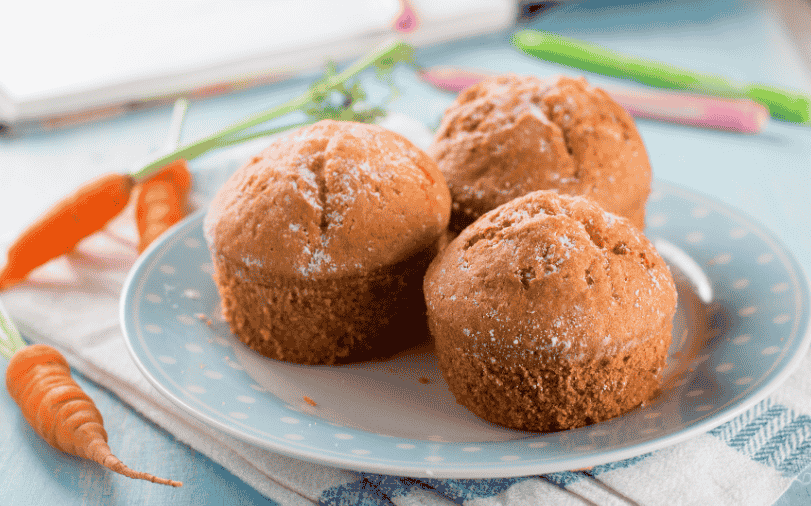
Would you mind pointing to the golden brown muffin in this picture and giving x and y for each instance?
(320, 243)
(509, 135)
(550, 314)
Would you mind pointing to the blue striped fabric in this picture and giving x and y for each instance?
(357, 493)
(728, 430)
(770, 434)
(463, 490)
(564, 478)
(621, 464)
(793, 464)
(378, 489)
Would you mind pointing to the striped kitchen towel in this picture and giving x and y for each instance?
(750, 460)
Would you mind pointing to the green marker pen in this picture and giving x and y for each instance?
(783, 104)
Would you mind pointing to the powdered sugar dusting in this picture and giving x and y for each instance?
(609, 218)
(320, 262)
(573, 331)
(547, 126)
(309, 190)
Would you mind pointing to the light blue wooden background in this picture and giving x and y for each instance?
(768, 176)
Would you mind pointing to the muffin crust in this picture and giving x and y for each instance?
(320, 242)
(509, 135)
(550, 313)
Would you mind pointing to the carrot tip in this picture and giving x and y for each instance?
(112, 463)
(38, 379)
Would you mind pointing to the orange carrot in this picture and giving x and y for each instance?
(38, 379)
(60, 229)
(176, 172)
(161, 202)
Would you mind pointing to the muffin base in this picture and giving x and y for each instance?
(326, 321)
(555, 394)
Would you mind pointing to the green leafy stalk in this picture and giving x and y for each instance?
(316, 103)
(10, 339)
(230, 141)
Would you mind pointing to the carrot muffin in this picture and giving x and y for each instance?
(509, 135)
(550, 313)
(320, 243)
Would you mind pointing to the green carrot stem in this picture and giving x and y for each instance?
(221, 138)
(195, 149)
(10, 338)
(230, 141)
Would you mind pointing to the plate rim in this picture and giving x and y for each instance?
(509, 468)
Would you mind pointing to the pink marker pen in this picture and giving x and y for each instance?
(737, 115)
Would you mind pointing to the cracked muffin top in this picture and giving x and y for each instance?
(331, 199)
(509, 135)
(549, 276)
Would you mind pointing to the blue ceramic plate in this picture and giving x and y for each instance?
(740, 331)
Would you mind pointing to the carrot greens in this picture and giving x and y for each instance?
(10, 339)
(335, 96)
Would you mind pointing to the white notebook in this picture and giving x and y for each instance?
(69, 61)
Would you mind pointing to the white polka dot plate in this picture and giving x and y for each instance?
(740, 330)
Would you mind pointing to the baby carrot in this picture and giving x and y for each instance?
(161, 202)
(38, 379)
(177, 172)
(72, 219)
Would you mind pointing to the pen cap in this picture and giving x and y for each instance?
(781, 103)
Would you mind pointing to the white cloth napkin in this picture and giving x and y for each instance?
(72, 304)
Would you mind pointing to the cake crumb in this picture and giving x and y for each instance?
(310, 401)
(204, 318)
(424, 380)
